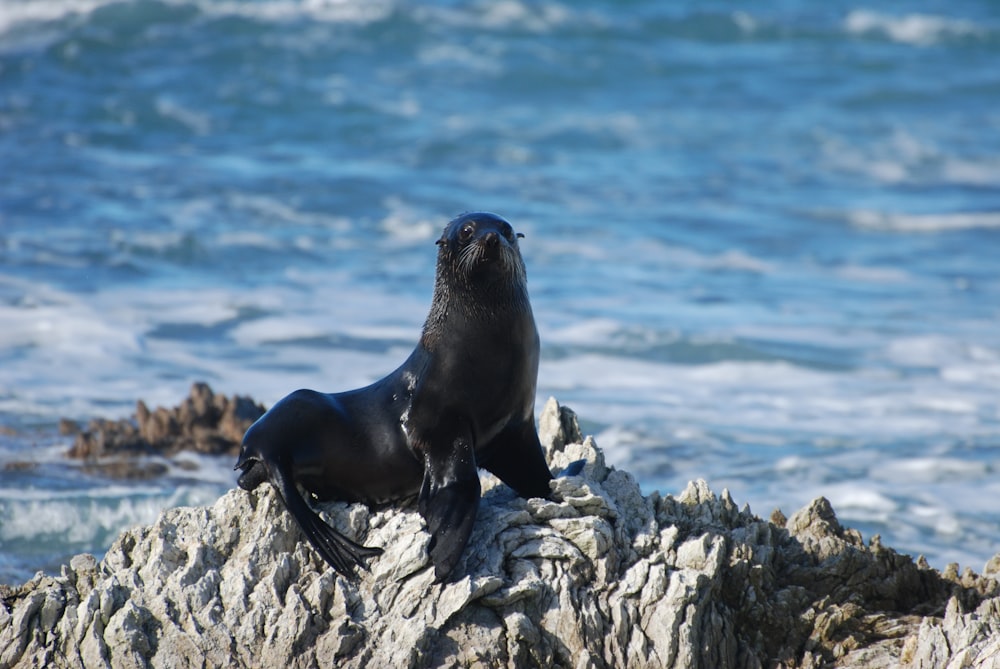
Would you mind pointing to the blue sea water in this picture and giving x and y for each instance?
(762, 240)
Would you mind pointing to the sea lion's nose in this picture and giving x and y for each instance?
(492, 239)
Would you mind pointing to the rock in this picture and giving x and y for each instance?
(204, 422)
(68, 428)
(601, 576)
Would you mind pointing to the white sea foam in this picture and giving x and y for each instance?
(583, 332)
(101, 347)
(851, 498)
(891, 160)
(248, 239)
(984, 172)
(406, 224)
(915, 29)
(738, 260)
(328, 11)
(159, 242)
(923, 223)
(747, 23)
(276, 329)
(931, 470)
(869, 274)
(276, 210)
(628, 252)
(971, 373)
(197, 122)
(15, 13)
(765, 397)
(901, 157)
(502, 15)
(924, 351)
(83, 517)
(462, 56)
(71, 328)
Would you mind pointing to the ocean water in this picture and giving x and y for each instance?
(763, 241)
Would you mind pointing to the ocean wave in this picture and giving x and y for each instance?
(874, 274)
(58, 322)
(83, 520)
(923, 223)
(16, 13)
(407, 224)
(932, 470)
(331, 11)
(276, 211)
(514, 16)
(785, 399)
(502, 15)
(913, 29)
(900, 157)
(197, 122)
(935, 351)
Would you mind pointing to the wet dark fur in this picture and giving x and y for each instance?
(463, 399)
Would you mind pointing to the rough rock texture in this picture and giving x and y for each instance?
(204, 422)
(603, 577)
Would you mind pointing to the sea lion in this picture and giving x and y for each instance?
(464, 399)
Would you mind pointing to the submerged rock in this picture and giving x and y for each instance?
(204, 422)
(602, 577)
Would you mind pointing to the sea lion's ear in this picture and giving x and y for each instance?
(441, 242)
(520, 235)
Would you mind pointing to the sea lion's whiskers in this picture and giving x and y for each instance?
(469, 257)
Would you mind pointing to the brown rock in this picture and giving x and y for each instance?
(203, 422)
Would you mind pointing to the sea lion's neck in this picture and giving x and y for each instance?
(502, 304)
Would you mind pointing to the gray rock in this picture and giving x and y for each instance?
(601, 577)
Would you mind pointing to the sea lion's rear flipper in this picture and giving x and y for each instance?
(338, 551)
(449, 501)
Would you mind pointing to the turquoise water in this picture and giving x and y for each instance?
(762, 241)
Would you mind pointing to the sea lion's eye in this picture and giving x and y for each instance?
(508, 232)
(465, 234)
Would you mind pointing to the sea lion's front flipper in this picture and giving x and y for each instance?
(515, 457)
(449, 501)
(338, 551)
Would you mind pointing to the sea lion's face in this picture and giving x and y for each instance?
(482, 246)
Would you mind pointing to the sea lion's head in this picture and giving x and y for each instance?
(480, 248)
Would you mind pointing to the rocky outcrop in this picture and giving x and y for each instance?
(203, 422)
(602, 576)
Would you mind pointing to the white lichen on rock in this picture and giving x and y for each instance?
(602, 576)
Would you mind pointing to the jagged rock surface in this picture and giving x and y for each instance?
(203, 422)
(603, 577)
